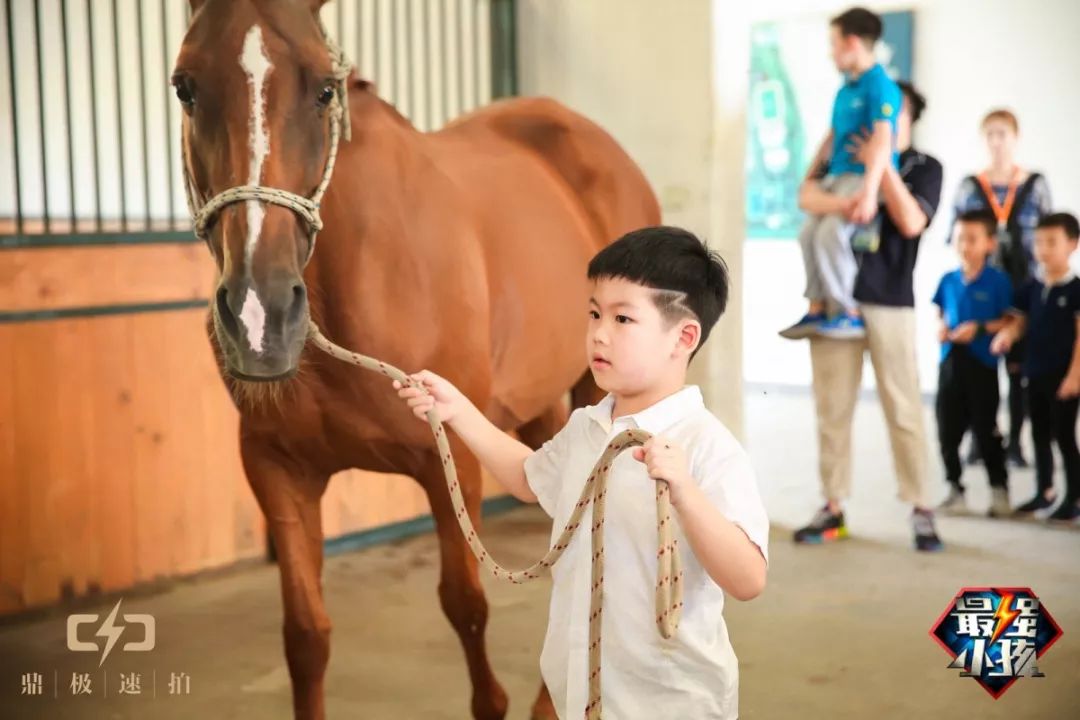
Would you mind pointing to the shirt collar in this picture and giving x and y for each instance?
(1067, 278)
(656, 418)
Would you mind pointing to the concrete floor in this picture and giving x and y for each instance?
(841, 631)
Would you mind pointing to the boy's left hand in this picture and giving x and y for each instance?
(964, 333)
(665, 460)
(1069, 388)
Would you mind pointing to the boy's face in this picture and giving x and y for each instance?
(1053, 248)
(845, 49)
(973, 243)
(1000, 139)
(629, 345)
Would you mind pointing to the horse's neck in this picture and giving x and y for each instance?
(366, 254)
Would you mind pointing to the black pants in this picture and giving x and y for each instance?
(968, 397)
(1054, 420)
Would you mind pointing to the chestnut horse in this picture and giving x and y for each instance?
(462, 250)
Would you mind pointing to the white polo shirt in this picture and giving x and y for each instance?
(695, 674)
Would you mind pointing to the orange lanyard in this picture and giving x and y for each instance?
(1001, 212)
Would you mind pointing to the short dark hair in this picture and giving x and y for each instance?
(916, 100)
(980, 217)
(689, 277)
(859, 22)
(1065, 221)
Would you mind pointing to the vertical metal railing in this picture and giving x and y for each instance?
(92, 151)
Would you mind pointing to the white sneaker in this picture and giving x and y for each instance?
(954, 503)
(999, 503)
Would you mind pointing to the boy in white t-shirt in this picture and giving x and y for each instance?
(657, 293)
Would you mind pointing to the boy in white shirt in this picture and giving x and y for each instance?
(657, 293)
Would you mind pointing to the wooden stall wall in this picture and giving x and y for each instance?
(119, 458)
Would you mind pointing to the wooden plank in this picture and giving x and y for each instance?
(51, 278)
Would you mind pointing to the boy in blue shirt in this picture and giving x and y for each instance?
(973, 300)
(1047, 311)
(868, 103)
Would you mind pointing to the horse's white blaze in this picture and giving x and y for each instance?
(257, 66)
(253, 316)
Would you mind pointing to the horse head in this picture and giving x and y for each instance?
(261, 94)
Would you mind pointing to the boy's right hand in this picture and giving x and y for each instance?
(1002, 342)
(447, 400)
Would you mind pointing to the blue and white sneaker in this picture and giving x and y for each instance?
(843, 327)
(805, 328)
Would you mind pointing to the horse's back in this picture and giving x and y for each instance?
(612, 190)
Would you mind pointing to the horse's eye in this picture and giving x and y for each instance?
(185, 92)
(326, 95)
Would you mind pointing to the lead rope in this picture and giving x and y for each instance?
(669, 566)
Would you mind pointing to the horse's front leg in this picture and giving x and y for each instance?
(460, 591)
(289, 496)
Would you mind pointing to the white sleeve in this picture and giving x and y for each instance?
(544, 468)
(728, 480)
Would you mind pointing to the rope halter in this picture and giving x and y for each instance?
(203, 213)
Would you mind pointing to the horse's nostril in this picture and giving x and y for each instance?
(225, 313)
(299, 302)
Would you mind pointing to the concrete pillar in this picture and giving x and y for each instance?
(645, 71)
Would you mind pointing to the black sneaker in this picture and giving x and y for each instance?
(926, 538)
(1036, 504)
(826, 526)
(1015, 457)
(1068, 512)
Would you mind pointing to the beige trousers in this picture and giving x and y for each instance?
(837, 365)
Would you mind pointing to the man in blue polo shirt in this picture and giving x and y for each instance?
(868, 103)
(974, 301)
(1047, 312)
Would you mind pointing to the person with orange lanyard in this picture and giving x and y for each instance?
(1018, 198)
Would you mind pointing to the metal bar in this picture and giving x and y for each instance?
(459, 6)
(425, 65)
(341, 23)
(169, 207)
(142, 110)
(444, 74)
(67, 109)
(503, 46)
(394, 85)
(84, 239)
(13, 89)
(476, 52)
(41, 115)
(119, 118)
(360, 37)
(94, 116)
(375, 44)
(408, 57)
(23, 316)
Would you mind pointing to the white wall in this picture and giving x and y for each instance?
(969, 56)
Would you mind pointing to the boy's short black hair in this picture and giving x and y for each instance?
(859, 22)
(916, 101)
(980, 217)
(1065, 221)
(690, 279)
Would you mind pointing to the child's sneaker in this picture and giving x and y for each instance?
(1069, 512)
(1040, 504)
(843, 327)
(825, 527)
(806, 327)
(999, 503)
(926, 537)
(954, 503)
